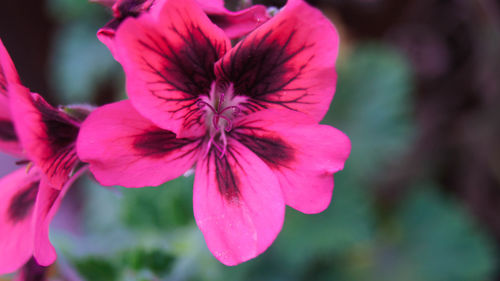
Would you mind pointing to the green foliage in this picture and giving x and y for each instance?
(159, 208)
(133, 264)
(441, 240)
(429, 238)
(372, 105)
(155, 260)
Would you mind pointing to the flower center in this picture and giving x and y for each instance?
(221, 107)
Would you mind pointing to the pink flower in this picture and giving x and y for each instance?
(246, 117)
(235, 24)
(48, 135)
(27, 206)
(30, 196)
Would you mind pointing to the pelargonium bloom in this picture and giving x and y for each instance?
(48, 135)
(30, 196)
(247, 118)
(27, 206)
(235, 24)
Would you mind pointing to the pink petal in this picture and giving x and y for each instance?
(47, 134)
(168, 62)
(47, 204)
(303, 155)
(239, 24)
(9, 142)
(212, 6)
(106, 35)
(18, 191)
(238, 204)
(8, 73)
(287, 63)
(125, 8)
(124, 148)
(234, 24)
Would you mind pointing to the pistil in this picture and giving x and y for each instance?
(219, 118)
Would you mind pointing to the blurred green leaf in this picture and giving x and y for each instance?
(372, 105)
(96, 269)
(156, 260)
(132, 264)
(347, 223)
(442, 241)
(159, 208)
(429, 238)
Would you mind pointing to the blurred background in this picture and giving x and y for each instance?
(419, 199)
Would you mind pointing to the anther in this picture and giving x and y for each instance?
(221, 100)
(233, 107)
(22, 162)
(201, 104)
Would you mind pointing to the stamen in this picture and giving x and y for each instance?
(224, 145)
(215, 121)
(29, 166)
(220, 148)
(209, 144)
(221, 100)
(235, 108)
(229, 123)
(201, 103)
(217, 106)
(22, 162)
(218, 113)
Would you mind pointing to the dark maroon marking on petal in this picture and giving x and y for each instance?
(227, 181)
(111, 25)
(123, 10)
(158, 143)
(131, 8)
(259, 68)
(22, 203)
(63, 161)
(7, 131)
(3, 82)
(60, 133)
(269, 147)
(222, 21)
(23, 162)
(51, 199)
(32, 271)
(189, 69)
